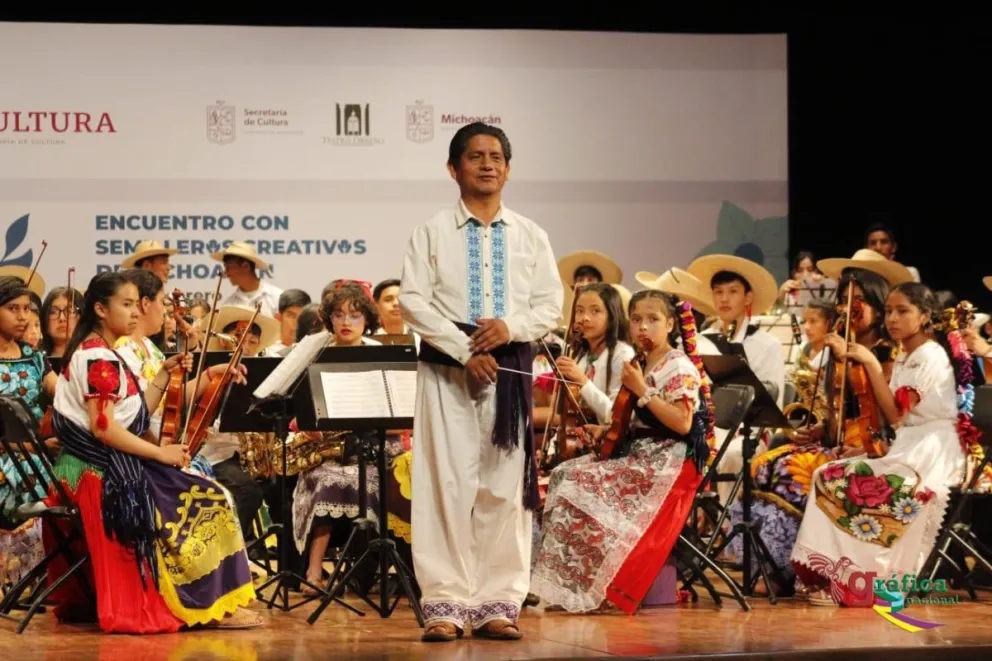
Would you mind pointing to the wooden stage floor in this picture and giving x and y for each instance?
(791, 629)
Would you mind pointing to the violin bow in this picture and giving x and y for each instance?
(843, 369)
(203, 351)
(34, 268)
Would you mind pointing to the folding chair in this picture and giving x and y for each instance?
(732, 403)
(956, 535)
(17, 438)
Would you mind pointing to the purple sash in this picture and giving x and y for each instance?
(514, 402)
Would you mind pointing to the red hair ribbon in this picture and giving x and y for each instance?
(364, 284)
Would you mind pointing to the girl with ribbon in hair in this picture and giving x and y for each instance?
(165, 549)
(593, 551)
(24, 374)
(883, 515)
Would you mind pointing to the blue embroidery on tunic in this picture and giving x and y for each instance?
(498, 249)
(473, 237)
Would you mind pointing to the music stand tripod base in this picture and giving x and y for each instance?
(380, 548)
(285, 575)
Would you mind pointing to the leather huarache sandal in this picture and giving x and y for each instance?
(441, 632)
(498, 630)
(242, 618)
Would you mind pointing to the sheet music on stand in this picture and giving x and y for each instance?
(364, 388)
(372, 394)
(292, 366)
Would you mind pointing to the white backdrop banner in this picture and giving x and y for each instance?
(325, 147)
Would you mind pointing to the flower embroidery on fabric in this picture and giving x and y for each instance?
(906, 509)
(875, 508)
(103, 379)
(866, 528)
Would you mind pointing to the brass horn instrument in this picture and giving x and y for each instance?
(810, 408)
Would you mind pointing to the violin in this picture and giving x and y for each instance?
(860, 421)
(623, 410)
(174, 411)
(565, 402)
(211, 402)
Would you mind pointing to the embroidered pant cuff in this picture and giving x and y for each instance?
(494, 610)
(436, 612)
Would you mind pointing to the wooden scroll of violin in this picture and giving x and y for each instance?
(176, 403)
(623, 411)
(565, 402)
(859, 420)
(210, 403)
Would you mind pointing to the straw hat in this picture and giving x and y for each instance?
(146, 249)
(37, 282)
(762, 282)
(230, 314)
(869, 260)
(625, 296)
(682, 284)
(981, 319)
(244, 251)
(987, 281)
(611, 272)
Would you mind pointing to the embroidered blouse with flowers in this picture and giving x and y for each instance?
(165, 546)
(884, 515)
(593, 550)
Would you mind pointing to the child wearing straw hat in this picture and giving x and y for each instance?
(241, 266)
(742, 289)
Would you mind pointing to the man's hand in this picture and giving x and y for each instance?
(483, 368)
(492, 333)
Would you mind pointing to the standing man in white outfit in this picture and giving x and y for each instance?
(479, 283)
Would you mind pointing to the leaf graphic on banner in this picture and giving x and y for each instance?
(16, 234)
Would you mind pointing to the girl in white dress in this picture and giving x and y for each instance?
(883, 515)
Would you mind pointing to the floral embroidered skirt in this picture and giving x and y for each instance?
(202, 564)
(609, 526)
(878, 515)
(781, 479)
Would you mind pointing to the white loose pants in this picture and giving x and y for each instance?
(471, 533)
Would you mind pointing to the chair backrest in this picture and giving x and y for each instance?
(18, 439)
(732, 402)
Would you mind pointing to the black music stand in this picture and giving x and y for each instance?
(270, 414)
(394, 414)
(764, 412)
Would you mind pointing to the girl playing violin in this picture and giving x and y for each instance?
(883, 514)
(604, 350)
(164, 544)
(145, 359)
(783, 476)
(591, 550)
